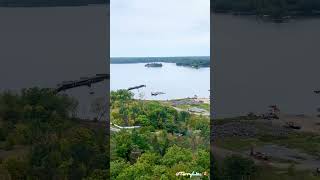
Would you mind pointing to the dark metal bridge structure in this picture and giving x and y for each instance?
(136, 87)
(84, 81)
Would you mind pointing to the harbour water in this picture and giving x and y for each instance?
(41, 47)
(175, 81)
(262, 63)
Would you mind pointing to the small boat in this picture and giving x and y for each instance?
(156, 93)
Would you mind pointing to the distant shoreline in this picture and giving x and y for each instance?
(53, 3)
(270, 16)
(190, 61)
(204, 100)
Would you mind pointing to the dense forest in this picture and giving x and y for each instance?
(195, 62)
(167, 142)
(272, 8)
(40, 139)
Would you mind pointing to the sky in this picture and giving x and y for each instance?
(159, 28)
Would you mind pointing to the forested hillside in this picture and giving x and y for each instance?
(274, 8)
(166, 143)
(39, 139)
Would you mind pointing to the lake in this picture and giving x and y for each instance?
(175, 81)
(45, 46)
(263, 63)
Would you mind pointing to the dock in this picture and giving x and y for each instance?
(136, 87)
(84, 81)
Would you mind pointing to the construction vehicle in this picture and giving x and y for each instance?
(269, 116)
(258, 155)
(274, 108)
(292, 125)
(317, 91)
(272, 113)
(317, 172)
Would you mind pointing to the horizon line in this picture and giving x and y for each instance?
(154, 56)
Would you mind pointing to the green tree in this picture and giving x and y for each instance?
(116, 168)
(123, 143)
(160, 142)
(98, 174)
(17, 167)
(176, 155)
(142, 169)
(202, 161)
(10, 107)
(237, 167)
(143, 120)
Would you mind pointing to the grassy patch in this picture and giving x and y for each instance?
(287, 161)
(236, 143)
(204, 106)
(268, 173)
(305, 142)
(201, 106)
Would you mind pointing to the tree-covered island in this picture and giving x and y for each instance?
(274, 9)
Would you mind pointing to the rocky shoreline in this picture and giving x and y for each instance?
(247, 129)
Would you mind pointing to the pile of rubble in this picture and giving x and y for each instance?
(234, 129)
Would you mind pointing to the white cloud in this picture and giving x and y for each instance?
(160, 27)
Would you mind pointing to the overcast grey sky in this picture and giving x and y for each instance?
(143, 28)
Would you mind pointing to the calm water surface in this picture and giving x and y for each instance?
(45, 46)
(262, 63)
(175, 81)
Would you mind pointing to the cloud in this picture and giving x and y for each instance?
(160, 27)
